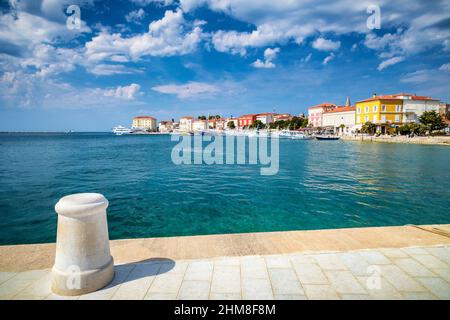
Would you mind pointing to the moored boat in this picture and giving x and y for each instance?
(120, 130)
(327, 138)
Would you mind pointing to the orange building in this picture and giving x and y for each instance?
(246, 120)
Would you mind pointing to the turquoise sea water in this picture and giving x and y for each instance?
(319, 185)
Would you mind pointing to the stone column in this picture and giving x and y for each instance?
(83, 261)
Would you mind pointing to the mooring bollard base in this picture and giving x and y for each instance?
(78, 283)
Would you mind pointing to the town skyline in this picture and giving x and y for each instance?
(170, 59)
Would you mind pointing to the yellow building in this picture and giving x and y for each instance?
(384, 111)
(144, 123)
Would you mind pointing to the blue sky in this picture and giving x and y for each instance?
(169, 58)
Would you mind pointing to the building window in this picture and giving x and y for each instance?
(397, 118)
(397, 108)
(359, 110)
(366, 118)
(367, 109)
(375, 108)
(358, 119)
(375, 119)
(383, 108)
(383, 119)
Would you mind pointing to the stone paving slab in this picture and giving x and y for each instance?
(385, 273)
(18, 258)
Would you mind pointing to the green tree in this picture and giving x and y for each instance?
(201, 117)
(411, 128)
(297, 123)
(432, 120)
(258, 124)
(231, 125)
(369, 127)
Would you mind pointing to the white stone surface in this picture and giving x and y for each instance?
(83, 262)
(417, 273)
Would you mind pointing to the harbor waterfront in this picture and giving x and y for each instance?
(320, 185)
(408, 262)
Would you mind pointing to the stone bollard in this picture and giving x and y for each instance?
(83, 262)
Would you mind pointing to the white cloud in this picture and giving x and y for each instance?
(23, 90)
(236, 42)
(328, 59)
(445, 67)
(111, 69)
(135, 16)
(389, 62)
(144, 3)
(269, 56)
(189, 90)
(307, 58)
(166, 37)
(433, 82)
(323, 44)
(33, 22)
(419, 25)
(126, 92)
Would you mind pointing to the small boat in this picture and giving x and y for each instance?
(327, 138)
(285, 134)
(182, 133)
(301, 136)
(120, 130)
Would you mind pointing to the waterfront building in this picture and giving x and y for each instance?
(234, 120)
(246, 120)
(315, 113)
(220, 124)
(265, 118)
(145, 123)
(199, 125)
(340, 119)
(414, 106)
(216, 123)
(282, 117)
(165, 126)
(386, 111)
(186, 124)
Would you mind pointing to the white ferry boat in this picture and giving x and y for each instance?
(120, 130)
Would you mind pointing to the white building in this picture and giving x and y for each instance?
(199, 125)
(218, 124)
(340, 119)
(145, 123)
(234, 120)
(265, 118)
(414, 106)
(165, 126)
(186, 124)
(315, 114)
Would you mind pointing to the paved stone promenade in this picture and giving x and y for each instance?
(396, 273)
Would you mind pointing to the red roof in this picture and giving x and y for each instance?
(413, 96)
(186, 117)
(278, 117)
(248, 116)
(265, 114)
(323, 105)
(384, 97)
(341, 109)
(144, 117)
